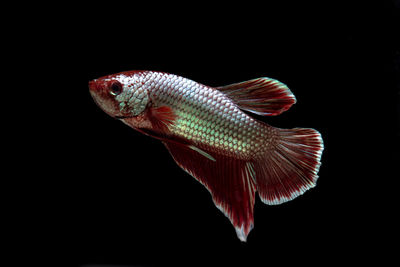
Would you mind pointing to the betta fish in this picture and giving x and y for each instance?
(210, 133)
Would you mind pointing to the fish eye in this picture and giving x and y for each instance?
(116, 88)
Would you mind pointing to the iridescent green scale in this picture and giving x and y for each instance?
(205, 116)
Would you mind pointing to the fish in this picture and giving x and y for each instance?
(213, 134)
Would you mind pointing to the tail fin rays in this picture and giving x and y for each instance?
(291, 167)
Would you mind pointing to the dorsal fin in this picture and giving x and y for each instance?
(262, 96)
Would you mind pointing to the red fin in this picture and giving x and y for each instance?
(229, 180)
(161, 117)
(290, 168)
(262, 96)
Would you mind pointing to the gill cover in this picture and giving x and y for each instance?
(120, 95)
(133, 99)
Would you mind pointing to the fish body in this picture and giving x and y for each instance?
(209, 136)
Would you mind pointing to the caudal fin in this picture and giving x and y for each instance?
(290, 165)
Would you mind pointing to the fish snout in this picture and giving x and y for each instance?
(101, 95)
(92, 86)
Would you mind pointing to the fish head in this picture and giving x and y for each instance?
(120, 95)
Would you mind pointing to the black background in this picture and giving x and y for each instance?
(116, 197)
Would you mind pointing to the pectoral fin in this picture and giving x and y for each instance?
(161, 117)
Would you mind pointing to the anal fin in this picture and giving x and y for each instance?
(229, 180)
